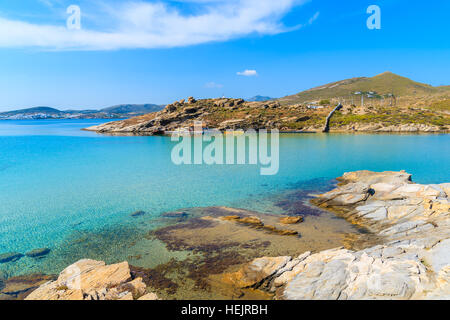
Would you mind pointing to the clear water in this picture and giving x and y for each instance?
(56, 179)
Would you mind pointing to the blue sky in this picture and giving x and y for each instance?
(162, 51)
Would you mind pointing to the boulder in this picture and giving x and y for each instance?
(90, 274)
(92, 280)
(136, 287)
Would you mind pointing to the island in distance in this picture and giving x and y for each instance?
(114, 112)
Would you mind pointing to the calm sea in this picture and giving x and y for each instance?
(59, 184)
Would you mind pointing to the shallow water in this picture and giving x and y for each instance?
(60, 185)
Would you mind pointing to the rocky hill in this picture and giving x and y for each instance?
(233, 114)
(384, 103)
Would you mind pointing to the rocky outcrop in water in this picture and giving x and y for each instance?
(94, 280)
(178, 116)
(412, 263)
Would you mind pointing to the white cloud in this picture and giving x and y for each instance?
(248, 73)
(142, 24)
(213, 85)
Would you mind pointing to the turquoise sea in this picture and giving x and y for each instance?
(59, 184)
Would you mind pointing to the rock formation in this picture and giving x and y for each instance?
(94, 280)
(413, 263)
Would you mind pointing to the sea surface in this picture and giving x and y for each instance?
(74, 191)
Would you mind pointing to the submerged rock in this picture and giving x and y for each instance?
(10, 257)
(256, 222)
(176, 214)
(2, 280)
(138, 213)
(255, 272)
(19, 287)
(38, 253)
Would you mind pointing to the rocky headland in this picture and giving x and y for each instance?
(413, 262)
(233, 114)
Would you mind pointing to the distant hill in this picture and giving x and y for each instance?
(118, 111)
(259, 99)
(380, 85)
(133, 108)
(35, 110)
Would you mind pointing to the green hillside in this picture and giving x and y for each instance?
(382, 84)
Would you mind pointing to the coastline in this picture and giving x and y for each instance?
(414, 226)
(413, 262)
(351, 129)
(231, 114)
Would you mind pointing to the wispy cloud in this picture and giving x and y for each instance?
(143, 24)
(248, 73)
(314, 17)
(213, 85)
(47, 3)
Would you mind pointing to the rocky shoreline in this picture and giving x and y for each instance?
(233, 114)
(412, 261)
